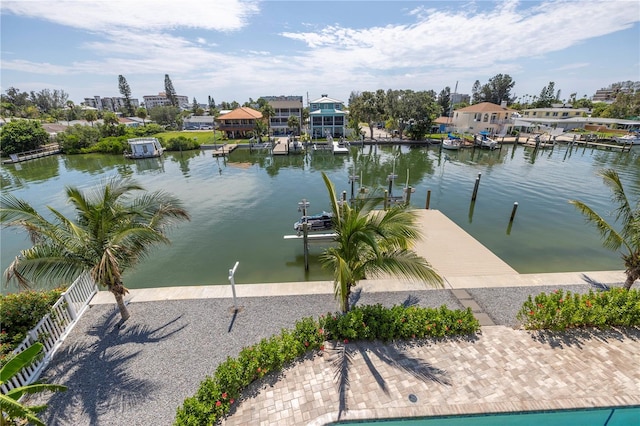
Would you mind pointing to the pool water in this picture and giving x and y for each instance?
(620, 416)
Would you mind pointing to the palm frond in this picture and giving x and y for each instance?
(610, 236)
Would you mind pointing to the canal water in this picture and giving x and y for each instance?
(242, 206)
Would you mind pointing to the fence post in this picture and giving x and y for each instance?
(70, 307)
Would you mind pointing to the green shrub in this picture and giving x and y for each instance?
(180, 143)
(20, 312)
(560, 311)
(375, 322)
(109, 145)
(217, 393)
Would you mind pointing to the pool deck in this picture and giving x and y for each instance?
(501, 369)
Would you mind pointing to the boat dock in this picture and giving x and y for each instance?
(45, 151)
(224, 149)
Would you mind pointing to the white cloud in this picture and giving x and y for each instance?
(219, 15)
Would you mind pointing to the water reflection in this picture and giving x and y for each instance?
(243, 204)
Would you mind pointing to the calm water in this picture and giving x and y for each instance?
(241, 207)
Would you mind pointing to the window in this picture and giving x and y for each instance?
(565, 114)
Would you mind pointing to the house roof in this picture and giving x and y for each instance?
(443, 119)
(485, 107)
(242, 113)
(325, 100)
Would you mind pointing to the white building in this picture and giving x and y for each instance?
(113, 104)
(152, 101)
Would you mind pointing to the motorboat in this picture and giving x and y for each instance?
(451, 142)
(318, 222)
(628, 139)
(484, 141)
(144, 148)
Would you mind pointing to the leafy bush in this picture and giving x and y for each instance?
(20, 312)
(180, 143)
(109, 145)
(376, 322)
(22, 135)
(217, 393)
(560, 310)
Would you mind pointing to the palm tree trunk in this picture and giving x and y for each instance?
(631, 278)
(119, 291)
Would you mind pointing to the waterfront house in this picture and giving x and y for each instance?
(239, 123)
(327, 116)
(485, 116)
(284, 107)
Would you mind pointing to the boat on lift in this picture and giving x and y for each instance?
(317, 222)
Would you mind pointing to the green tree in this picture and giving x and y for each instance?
(111, 232)
(10, 407)
(267, 112)
(294, 123)
(170, 92)
(547, 96)
(164, 115)
(141, 113)
(111, 123)
(91, 116)
(22, 135)
(367, 107)
(125, 91)
(371, 243)
(444, 100)
(628, 236)
(498, 89)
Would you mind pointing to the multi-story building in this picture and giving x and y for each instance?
(553, 112)
(327, 116)
(284, 107)
(608, 94)
(113, 104)
(238, 123)
(152, 101)
(485, 116)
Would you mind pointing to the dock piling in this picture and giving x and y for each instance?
(428, 199)
(475, 188)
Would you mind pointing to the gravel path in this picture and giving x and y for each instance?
(140, 373)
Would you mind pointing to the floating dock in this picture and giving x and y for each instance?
(45, 151)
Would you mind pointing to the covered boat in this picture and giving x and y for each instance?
(451, 142)
(144, 148)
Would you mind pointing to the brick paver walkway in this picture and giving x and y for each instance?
(501, 370)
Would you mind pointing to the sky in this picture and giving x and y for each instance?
(236, 50)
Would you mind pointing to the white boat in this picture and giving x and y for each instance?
(339, 149)
(451, 142)
(144, 148)
(629, 139)
(484, 141)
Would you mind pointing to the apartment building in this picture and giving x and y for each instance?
(152, 101)
(113, 104)
(284, 107)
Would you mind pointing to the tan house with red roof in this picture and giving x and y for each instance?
(238, 123)
(485, 116)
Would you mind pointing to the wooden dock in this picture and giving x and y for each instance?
(600, 145)
(224, 149)
(45, 151)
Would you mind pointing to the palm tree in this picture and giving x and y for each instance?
(372, 243)
(113, 230)
(10, 404)
(628, 237)
(268, 112)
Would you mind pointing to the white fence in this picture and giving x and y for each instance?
(53, 328)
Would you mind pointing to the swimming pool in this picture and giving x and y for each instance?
(616, 416)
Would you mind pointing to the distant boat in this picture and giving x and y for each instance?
(451, 142)
(484, 141)
(144, 148)
(629, 139)
(318, 222)
(339, 149)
